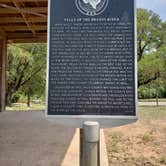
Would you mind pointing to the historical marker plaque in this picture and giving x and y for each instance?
(91, 59)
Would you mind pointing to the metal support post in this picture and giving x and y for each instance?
(90, 144)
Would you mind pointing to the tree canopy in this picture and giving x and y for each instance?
(26, 69)
(151, 32)
(151, 48)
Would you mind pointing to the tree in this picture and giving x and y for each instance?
(151, 40)
(36, 86)
(147, 70)
(25, 63)
(152, 67)
(151, 32)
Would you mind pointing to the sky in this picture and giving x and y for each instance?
(157, 6)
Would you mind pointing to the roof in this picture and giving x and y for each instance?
(23, 21)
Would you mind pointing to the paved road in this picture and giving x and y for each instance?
(151, 103)
(28, 139)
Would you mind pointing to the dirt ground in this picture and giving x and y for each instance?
(139, 144)
(28, 139)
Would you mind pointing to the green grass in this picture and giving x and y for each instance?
(23, 107)
(152, 100)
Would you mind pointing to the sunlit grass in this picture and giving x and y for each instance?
(152, 100)
(152, 112)
(23, 107)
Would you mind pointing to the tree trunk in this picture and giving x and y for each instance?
(28, 99)
(9, 98)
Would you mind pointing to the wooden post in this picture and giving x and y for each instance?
(3, 51)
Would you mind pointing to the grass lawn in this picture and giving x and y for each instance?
(140, 144)
(152, 112)
(23, 107)
(152, 100)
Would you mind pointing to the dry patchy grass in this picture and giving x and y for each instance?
(139, 144)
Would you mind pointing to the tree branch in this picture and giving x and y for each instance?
(157, 75)
(30, 77)
(21, 76)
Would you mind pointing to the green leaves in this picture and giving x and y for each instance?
(26, 69)
(152, 74)
(151, 32)
(151, 49)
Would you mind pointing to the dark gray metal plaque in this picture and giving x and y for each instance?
(91, 68)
